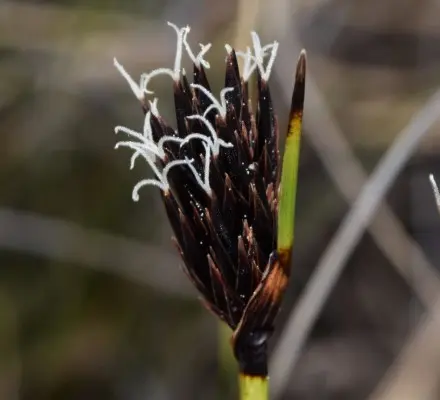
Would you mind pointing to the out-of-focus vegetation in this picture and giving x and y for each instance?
(92, 301)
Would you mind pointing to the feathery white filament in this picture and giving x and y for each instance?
(207, 168)
(198, 59)
(215, 146)
(148, 132)
(207, 124)
(143, 143)
(273, 53)
(178, 57)
(146, 142)
(259, 55)
(204, 184)
(142, 148)
(220, 106)
(137, 90)
(162, 181)
(215, 142)
(131, 132)
(165, 139)
(248, 67)
(204, 48)
(153, 107)
(435, 190)
(175, 72)
(147, 77)
(139, 151)
(146, 138)
(145, 182)
(256, 60)
(149, 150)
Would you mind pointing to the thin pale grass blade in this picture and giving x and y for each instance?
(436, 191)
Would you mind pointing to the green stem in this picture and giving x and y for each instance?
(289, 174)
(253, 387)
(228, 367)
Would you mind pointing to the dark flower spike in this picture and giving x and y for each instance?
(231, 210)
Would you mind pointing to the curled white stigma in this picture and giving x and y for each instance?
(143, 144)
(138, 92)
(221, 106)
(214, 142)
(162, 181)
(255, 60)
(153, 107)
(141, 89)
(204, 184)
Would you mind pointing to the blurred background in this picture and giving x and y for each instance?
(93, 304)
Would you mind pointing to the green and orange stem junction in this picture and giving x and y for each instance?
(254, 383)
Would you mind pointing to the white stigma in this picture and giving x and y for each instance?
(204, 184)
(141, 89)
(221, 106)
(255, 60)
(153, 106)
(143, 143)
(138, 92)
(162, 181)
(215, 141)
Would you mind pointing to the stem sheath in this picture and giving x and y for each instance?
(289, 174)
